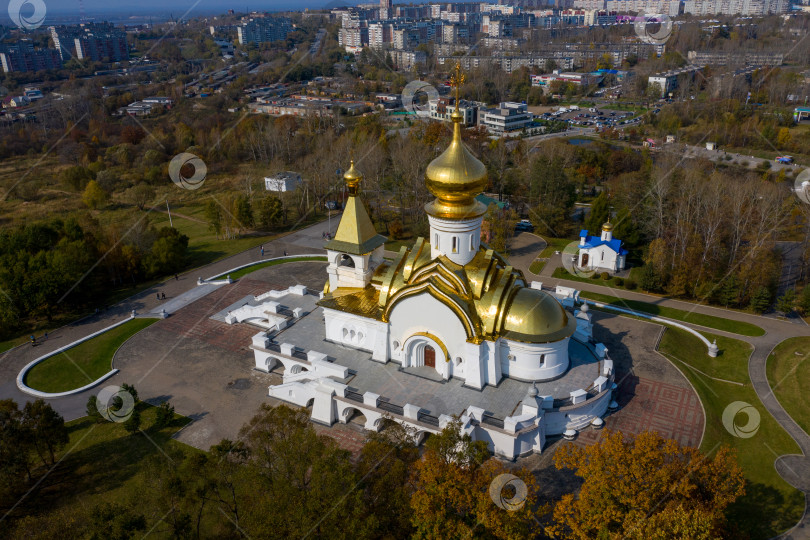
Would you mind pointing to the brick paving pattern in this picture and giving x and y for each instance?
(647, 404)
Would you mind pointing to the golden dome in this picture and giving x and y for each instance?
(536, 317)
(455, 178)
(607, 226)
(353, 178)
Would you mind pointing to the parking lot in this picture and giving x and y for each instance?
(592, 117)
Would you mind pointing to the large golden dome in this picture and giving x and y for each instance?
(534, 316)
(455, 178)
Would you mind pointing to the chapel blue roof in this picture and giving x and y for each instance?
(595, 241)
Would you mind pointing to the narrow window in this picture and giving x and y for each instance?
(603, 255)
(455, 244)
(436, 240)
(472, 242)
(542, 359)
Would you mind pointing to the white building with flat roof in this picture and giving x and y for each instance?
(507, 117)
(283, 181)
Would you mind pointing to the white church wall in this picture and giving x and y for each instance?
(534, 361)
(423, 313)
(456, 239)
(354, 331)
(576, 417)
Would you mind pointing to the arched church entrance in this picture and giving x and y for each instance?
(426, 351)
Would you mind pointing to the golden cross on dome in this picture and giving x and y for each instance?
(456, 80)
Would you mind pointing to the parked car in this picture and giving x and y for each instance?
(524, 225)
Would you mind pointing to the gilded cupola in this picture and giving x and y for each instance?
(456, 176)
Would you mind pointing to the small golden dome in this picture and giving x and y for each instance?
(353, 178)
(455, 178)
(534, 316)
(607, 226)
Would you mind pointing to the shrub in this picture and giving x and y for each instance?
(630, 284)
(605, 276)
(164, 415)
(618, 282)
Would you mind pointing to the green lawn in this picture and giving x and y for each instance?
(85, 362)
(789, 377)
(770, 505)
(103, 463)
(249, 269)
(537, 266)
(709, 321)
(554, 244)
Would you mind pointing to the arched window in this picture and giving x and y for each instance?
(542, 359)
(347, 261)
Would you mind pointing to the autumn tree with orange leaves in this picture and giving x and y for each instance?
(646, 487)
(452, 497)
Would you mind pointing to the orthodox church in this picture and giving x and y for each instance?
(447, 303)
(601, 252)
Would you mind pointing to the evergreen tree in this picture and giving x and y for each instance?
(92, 409)
(133, 423)
(761, 300)
(730, 292)
(46, 428)
(244, 212)
(786, 302)
(804, 300)
(600, 213)
(649, 280)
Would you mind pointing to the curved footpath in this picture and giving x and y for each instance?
(795, 469)
(304, 241)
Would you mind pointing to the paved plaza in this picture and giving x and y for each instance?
(205, 368)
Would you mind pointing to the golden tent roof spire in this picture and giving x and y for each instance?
(355, 233)
(456, 176)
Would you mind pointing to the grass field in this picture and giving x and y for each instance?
(789, 377)
(709, 321)
(770, 505)
(249, 269)
(537, 266)
(85, 362)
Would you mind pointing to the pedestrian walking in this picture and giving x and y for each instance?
(175, 277)
(285, 252)
(46, 336)
(158, 296)
(163, 296)
(262, 251)
(33, 340)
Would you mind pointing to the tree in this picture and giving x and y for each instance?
(112, 521)
(214, 216)
(14, 448)
(452, 497)
(133, 423)
(600, 213)
(46, 428)
(761, 300)
(553, 193)
(804, 300)
(635, 487)
(92, 409)
(93, 195)
(271, 211)
(783, 138)
(140, 195)
(244, 212)
(76, 177)
(168, 254)
(787, 302)
(164, 415)
(649, 279)
(126, 387)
